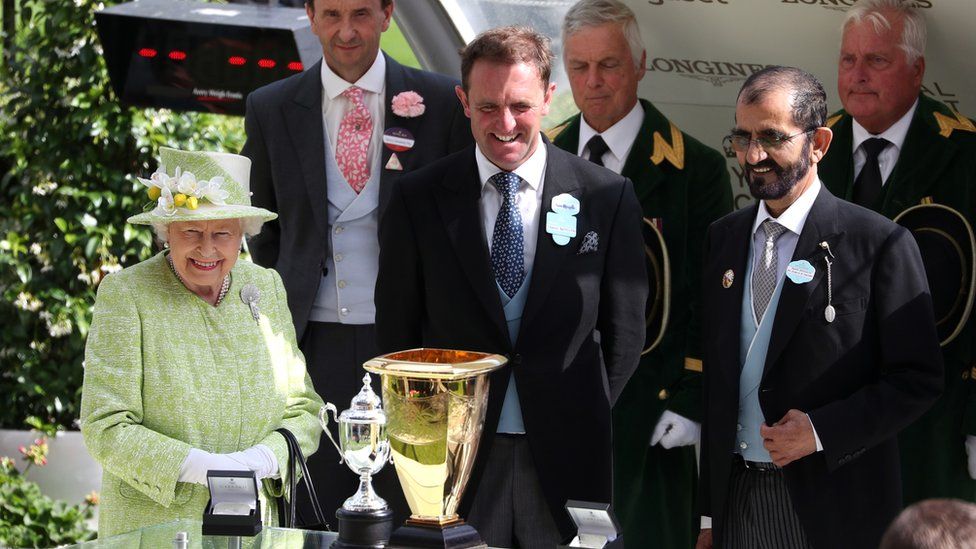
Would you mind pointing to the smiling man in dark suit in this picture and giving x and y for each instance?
(819, 342)
(327, 147)
(516, 247)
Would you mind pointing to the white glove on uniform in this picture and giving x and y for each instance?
(258, 458)
(673, 430)
(971, 452)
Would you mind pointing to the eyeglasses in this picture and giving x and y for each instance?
(740, 142)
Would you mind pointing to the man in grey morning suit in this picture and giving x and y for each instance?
(327, 147)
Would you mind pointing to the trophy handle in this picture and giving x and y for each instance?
(324, 420)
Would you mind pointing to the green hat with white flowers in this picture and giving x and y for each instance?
(199, 186)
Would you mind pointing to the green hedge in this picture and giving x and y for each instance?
(67, 153)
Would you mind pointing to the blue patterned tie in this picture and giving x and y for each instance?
(507, 258)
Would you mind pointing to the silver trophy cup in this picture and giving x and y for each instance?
(363, 444)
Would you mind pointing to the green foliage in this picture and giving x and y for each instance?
(68, 150)
(28, 518)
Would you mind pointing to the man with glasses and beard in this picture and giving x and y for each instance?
(819, 342)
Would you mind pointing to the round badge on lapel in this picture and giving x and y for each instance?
(398, 139)
(727, 279)
(658, 307)
(945, 241)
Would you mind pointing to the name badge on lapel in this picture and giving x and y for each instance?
(800, 272)
(561, 221)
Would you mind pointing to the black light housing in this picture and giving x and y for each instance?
(197, 56)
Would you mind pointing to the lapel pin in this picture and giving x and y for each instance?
(727, 279)
(398, 139)
(829, 312)
(394, 163)
(250, 295)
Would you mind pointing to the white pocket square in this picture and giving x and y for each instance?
(590, 244)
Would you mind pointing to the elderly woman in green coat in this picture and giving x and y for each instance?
(191, 362)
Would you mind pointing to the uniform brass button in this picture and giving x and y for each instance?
(342, 284)
(743, 445)
(339, 229)
(663, 395)
(344, 311)
(338, 258)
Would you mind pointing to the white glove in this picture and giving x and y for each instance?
(971, 452)
(259, 459)
(673, 430)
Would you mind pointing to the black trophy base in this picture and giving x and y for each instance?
(455, 536)
(363, 529)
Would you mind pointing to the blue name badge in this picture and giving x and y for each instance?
(562, 227)
(800, 272)
(565, 203)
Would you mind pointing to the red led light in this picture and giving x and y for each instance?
(295, 66)
(148, 52)
(266, 63)
(237, 60)
(177, 55)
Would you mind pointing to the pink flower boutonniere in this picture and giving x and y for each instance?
(408, 104)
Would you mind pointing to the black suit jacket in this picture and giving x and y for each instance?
(286, 144)
(582, 327)
(861, 378)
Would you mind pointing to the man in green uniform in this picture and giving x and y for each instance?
(895, 148)
(683, 186)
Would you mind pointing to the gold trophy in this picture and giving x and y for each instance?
(435, 402)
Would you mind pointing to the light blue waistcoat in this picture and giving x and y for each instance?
(753, 346)
(511, 417)
(345, 293)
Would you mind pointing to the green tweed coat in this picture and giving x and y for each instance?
(937, 162)
(165, 372)
(684, 186)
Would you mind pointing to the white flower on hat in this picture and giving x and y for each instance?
(165, 206)
(188, 183)
(213, 192)
(157, 181)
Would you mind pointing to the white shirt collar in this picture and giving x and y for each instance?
(532, 170)
(619, 137)
(373, 81)
(895, 134)
(796, 215)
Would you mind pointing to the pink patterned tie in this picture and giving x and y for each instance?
(354, 133)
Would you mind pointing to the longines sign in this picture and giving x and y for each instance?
(840, 4)
(718, 73)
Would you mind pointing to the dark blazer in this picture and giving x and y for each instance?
(582, 327)
(941, 165)
(861, 379)
(286, 143)
(686, 193)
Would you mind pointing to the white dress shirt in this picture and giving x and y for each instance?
(889, 156)
(619, 137)
(335, 105)
(528, 199)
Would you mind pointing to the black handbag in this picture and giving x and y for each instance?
(286, 509)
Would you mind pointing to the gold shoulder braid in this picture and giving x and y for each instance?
(833, 120)
(554, 132)
(674, 152)
(224, 286)
(947, 124)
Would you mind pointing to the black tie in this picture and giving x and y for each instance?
(597, 147)
(867, 187)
